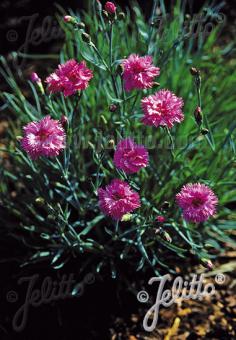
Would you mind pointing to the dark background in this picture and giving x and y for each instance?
(14, 21)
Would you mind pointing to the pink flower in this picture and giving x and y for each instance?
(139, 72)
(130, 157)
(69, 78)
(118, 199)
(197, 201)
(43, 138)
(163, 108)
(110, 7)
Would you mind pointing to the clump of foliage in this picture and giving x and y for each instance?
(54, 212)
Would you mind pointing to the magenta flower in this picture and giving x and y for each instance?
(69, 78)
(163, 108)
(110, 7)
(130, 157)
(139, 72)
(197, 201)
(43, 138)
(118, 199)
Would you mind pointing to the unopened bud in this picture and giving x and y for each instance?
(204, 131)
(111, 143)
(105, 15)
(70, 19)
(64, 121)
(19, 138)
(35, 78)
(165, 205)
(51, 217)
(163, 234)
(194, 71)
(160, 219)
(110, 7)
(121, 16)
(207, 263)
(40, 201)
(198, 115)
(126, 217)
(86, 37)
(80, 25)
(120, 69)
(112, 107)
(167, 237)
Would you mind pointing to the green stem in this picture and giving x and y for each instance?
(110, 44)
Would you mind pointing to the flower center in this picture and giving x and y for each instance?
(197, 202)
(43, 135)
(117, 196)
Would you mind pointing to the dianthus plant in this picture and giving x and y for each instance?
(121, 151)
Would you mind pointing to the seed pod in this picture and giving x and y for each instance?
(198, 115)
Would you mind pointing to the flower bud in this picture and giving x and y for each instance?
(194, 71)
(207, 263)
(40, 201)
(112, 107)
(64, 121)
(165, 205)
(35, 78)
(69, 19)
(167, 237)
(111, 143)
(160, 219)
(120, 69)
(126, 217)
(86, 37)
(198, 115)
(80, 25)
(110, 7)
(204, 131)
(155, 84)
(105, 15)
(121, 16)
(163, 234)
